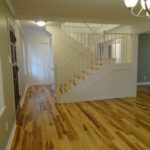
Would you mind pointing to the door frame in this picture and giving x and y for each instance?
(11, 27)
(29, 61)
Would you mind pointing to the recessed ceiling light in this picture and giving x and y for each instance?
(41, 23)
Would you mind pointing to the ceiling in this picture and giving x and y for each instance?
(30, 27)
(101, 11)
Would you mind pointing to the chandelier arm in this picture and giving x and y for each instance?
(136, 15)
(140, 12)
(147, 9)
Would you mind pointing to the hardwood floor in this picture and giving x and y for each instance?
(117, 124)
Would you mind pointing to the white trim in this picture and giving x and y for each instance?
(71, 19)
(2, 109)
(2, 104)
(143, 83)
(103, 98)
(11, 24)
(8, 146)
(9, 4)
(20, 27)
(32, 84)
(23, 97)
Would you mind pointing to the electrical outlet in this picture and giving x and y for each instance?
(6, 126)
(145, 77)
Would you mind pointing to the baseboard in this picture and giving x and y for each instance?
(106, 98)
(10, 140)
(23, 98)
(14, 126)
(143, 83)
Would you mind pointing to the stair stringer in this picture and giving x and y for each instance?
(119, 75)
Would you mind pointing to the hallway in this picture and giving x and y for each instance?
(111, 124)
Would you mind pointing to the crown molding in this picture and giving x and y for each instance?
(71, 19)
(10, 6)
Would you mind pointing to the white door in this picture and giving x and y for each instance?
(40, 64)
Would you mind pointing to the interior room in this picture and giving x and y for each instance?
(74, 75)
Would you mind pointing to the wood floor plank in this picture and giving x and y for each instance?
(115, 124)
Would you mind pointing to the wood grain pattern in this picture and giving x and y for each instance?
(117, 124)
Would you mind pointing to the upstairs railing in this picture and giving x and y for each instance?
(100, 49)
(85, 33)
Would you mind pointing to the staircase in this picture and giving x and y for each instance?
(100, 48)
(80, 76)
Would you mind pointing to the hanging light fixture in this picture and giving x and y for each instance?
(40, 23)
(144, 11)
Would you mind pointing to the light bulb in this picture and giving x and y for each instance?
(130, 3)
(143, 4)
(40, 23)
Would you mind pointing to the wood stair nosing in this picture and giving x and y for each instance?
(79, 77)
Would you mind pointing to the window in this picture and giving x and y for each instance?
(116, 52)
(111, 50)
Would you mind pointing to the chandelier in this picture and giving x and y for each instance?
(143, 11)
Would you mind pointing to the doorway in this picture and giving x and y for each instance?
(15, 69)
(40, 64)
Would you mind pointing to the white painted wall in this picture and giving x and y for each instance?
(122, 29)
(37, 38)
(141, 27)
(116, 84)
(134, 63)
(111, 81)
(65, 48)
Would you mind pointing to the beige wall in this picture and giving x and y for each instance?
(8, 115)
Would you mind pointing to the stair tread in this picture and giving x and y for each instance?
(81, 76)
